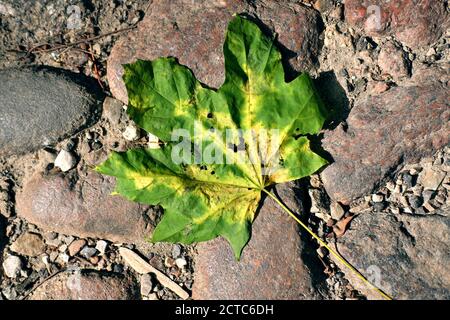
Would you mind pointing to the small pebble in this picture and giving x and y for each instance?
(118, 268)
(101, 246)
(322, 252)
(427, 195)
(377, 198)
(407, 210)
(420, 211)
(88, 252)
(408, 180)
(440, 199)
(152, 296)
(146, 284)
(181, 263)
(67, 239)
(415, 201)
(176, 251)
(131, 133)
(379, 206)
(94, 260)
(417, 190)
(403, 201)
(390, 186)
(12, 266)
(336, 211)
(359, 208)
(429, 207)
(64, 257)
(53, 255)
(65, 160)
(153, 141)
(395, 210)
(45, 259)
(10, 293)
(169, 262)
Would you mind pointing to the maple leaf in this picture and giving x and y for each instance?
(220, 148)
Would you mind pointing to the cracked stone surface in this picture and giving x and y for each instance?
(406, 255)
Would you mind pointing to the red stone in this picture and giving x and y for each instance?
(194, 32)
(393, 62)
(385, 132)
(83, 208)
(87, 285)
(415, 23)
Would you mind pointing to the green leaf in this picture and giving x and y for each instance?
(220, 148)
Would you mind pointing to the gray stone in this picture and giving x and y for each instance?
(146, 284)
(409, 180)
(379, 206)
(415, 202)
(409, 254)
(271, 266)
(176, 251)
(112, 110)
(88, 252)
(336, 211)
(40, 106)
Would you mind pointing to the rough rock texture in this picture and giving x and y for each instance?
(29, 244)
(415, 23)
(393, 62)
(194, 31)
(83, 208)
(270, 266)
(385, 131)
(87, 285)
(41, 105)
(407, 256)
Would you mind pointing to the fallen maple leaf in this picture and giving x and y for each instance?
(244, 137)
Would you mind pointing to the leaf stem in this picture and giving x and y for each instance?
(322, 243)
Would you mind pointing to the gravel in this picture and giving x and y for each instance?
(88, 252)
(101, 246)
(12, 266)
(65, 160)
(421, 190)
(146, 284)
